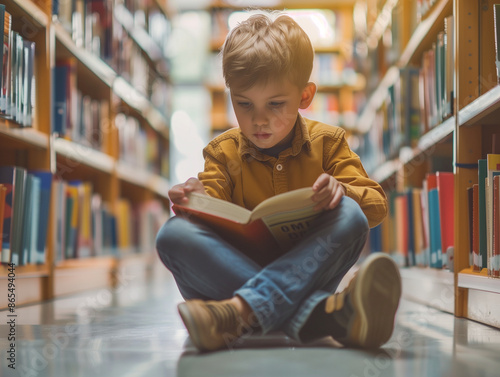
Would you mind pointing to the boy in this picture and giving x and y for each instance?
(267, 64)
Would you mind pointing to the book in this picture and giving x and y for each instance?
(445, 186)
(476, 256)
(496, 17)
(482, 174)
(266, 232)
(6, 21)
(495, 257)
(436, 254)
(3, 195)
(38, 249)
(493, 168)
(13, 178)
(470, 205)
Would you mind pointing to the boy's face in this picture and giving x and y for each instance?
(267, 112)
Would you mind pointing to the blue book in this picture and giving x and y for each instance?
(60, 102)
(435, 230)
(27, 219)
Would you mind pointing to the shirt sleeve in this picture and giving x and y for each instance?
(345, 166)
(215, 176)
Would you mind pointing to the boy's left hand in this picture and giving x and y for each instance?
(327, 192)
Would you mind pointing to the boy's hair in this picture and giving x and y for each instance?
(260, 49)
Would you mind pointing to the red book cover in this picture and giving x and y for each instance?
(401, 217)
(445, 186)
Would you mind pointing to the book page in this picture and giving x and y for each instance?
(218, 207)
(286, 202)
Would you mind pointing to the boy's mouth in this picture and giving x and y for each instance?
(262, 135)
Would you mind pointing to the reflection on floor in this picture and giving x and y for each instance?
(135, 331)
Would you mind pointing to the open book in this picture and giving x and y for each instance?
(265, 233)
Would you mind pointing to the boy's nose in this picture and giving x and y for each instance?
(260, 118)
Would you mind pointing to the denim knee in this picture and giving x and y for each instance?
(172, 238)
(348, 222)
(354, 216)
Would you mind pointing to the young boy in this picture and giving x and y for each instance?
(267, 65)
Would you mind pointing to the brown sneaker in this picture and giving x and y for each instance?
(363, 314)
(211, 324)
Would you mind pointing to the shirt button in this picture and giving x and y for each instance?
(279, 167)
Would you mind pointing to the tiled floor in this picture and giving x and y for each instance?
(136, 331)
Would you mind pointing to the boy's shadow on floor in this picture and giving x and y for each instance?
(259, 354)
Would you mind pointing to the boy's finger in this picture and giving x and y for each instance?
(322, 180)
(336, 199)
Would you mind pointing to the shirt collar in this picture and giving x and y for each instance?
(301, 138)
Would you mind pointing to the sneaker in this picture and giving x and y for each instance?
(363, 314)
(211, 324)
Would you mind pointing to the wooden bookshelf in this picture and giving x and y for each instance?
(476, 109)
(76, 275)
(429, 286)
(14, 137)
(427, 141)
(37, 148)
(433, 287)
(478, 104)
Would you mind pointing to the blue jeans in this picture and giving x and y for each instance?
(281, 294)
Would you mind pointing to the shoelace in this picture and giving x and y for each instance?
(225, 315)
(336, 301)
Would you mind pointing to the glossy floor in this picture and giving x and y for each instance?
(135, 331)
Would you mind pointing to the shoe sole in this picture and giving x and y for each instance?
(185, 310)
(375, 299)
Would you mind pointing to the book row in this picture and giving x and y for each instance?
(419, 230)
(338, 109)
(93, 24)
(87, 226)
(484, 217)
(420, 99)
(17, 79)
(77, 117)
(140, 147)
(84, 224)
(107, 29)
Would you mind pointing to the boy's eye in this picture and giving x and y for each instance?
(276, 104)
(245, 105)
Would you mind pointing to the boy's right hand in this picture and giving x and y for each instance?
(178, 193)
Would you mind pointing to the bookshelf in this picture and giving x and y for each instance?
(406, 166)
(119, 181)
(471, 127)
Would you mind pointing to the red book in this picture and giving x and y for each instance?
(445, 186)
(264, 234)
(401, 220)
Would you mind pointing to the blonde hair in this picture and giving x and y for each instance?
(264, 47)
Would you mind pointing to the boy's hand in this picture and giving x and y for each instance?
(178, 193)
(327, 192)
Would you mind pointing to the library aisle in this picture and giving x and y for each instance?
(135, 331)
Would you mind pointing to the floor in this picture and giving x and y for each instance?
(135, 331)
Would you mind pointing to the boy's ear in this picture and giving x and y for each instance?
(307, 95)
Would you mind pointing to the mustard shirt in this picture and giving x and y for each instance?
(237, 171)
